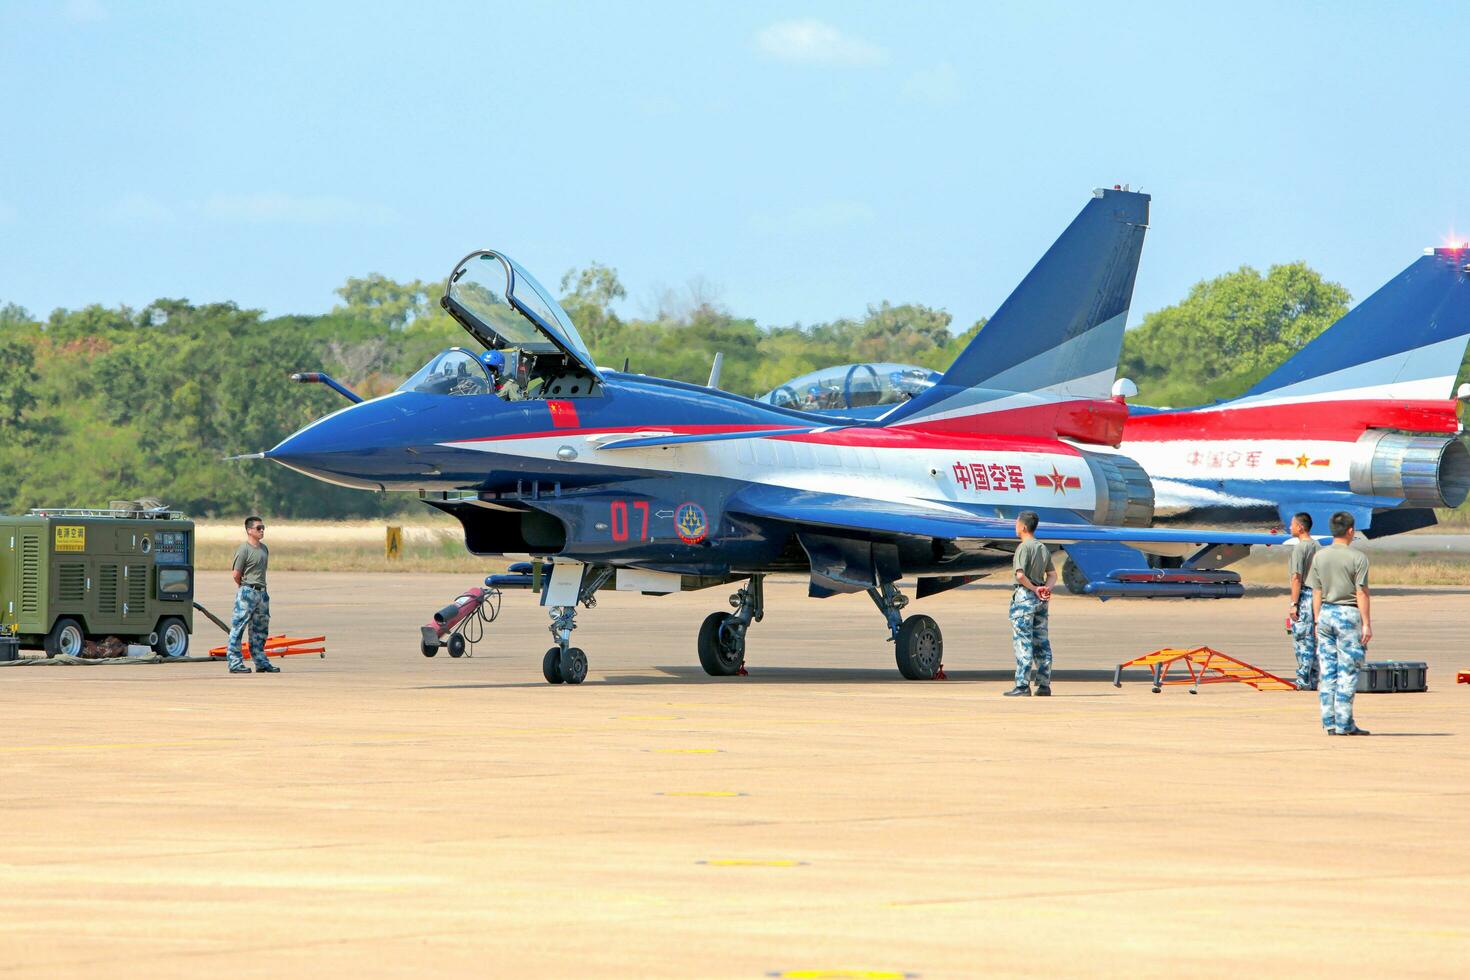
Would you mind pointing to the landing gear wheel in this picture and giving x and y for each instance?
(66, 638)
(573, 666)
(551, 666)
(172, 638)
(919, 648)
(720, 654)
(1073, 577)
(456, 645)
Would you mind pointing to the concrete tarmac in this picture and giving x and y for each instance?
(377, 813)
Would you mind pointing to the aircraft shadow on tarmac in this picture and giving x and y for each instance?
(813, 675)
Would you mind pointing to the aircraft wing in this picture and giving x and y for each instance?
(809, 509)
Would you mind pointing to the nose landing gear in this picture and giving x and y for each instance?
(564, 663)
(722, 635)
(918, 644)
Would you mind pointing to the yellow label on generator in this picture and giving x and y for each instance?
(71, 537)
(393, 545)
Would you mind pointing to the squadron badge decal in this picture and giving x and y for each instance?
(690, 523)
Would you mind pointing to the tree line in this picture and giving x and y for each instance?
(104, 403)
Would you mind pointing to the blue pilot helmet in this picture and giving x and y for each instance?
(494, 361)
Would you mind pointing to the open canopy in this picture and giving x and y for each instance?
(502, 305)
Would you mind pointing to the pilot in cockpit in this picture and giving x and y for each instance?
(505, 385)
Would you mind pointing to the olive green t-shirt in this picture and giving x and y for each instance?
(1300, 562)
(1338, 572)
(1033, 559)
(250, 562)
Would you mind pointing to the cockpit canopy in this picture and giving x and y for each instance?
(451, 372)
(852, 386)
(503, 306)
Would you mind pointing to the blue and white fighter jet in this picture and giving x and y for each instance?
(659, 486)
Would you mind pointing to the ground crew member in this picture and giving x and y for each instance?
(1339, 584)
(252, 602)
(1301, 622)
(1034, 577)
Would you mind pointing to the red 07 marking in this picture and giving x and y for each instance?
(619, 519)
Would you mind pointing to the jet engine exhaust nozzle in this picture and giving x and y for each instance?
(1426, 471)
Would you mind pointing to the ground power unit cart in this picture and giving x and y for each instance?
(69, 575)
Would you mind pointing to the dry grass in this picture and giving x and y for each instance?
(1388, 568)
(347, 546)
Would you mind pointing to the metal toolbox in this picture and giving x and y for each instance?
(1411, 675)
(1376, 677)
(1393, 676)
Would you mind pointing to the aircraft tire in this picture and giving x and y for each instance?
(551, 666)
(919, 648)
(717, 655)
(1073, 577)
(456, 645)
(573, 666)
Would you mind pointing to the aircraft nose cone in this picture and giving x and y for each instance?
(346, 447)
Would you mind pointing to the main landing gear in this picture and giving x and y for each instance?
(564, 663)
(722, 635)
(918, 645)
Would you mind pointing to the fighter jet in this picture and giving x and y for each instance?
(659, 486)
(1363, 419)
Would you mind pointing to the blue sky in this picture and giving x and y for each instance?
(802, 160)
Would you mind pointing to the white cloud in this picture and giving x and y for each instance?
(813, 218)
(269, 207)
(941, 84)
(140, 209)
(813, 42)
(84, 11)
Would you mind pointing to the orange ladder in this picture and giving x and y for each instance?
(1205, 666)
(282, 646)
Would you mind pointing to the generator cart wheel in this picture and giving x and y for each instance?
(173, 638)
(919, 648)
(456, 645)
(720, 654)
(66, 638)
(551, 666)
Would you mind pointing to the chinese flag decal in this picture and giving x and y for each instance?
(563, 415)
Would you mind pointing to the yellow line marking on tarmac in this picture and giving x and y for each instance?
(751, 863)
(702, 792)
(842, 975)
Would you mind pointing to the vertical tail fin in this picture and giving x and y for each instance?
(1403, 343)
(1056, 339)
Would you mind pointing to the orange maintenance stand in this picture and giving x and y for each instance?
(1205, 666)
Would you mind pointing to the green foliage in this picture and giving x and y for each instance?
(1230, 332)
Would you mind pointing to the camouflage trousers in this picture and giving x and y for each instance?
(1029, 629)
(1304, 637)
(1340, 653)
(253, 612)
